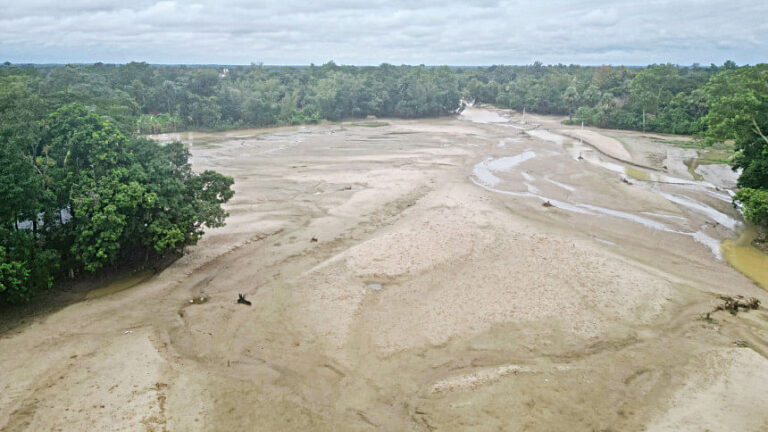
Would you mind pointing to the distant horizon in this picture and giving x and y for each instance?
(90, 63)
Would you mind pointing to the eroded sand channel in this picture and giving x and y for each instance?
(494, 312)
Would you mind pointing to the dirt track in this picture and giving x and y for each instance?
(495, 312)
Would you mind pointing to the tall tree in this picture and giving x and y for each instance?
(651, 87)
(738, 110)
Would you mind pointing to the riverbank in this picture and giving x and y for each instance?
(454, 273)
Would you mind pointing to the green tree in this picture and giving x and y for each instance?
(755, 202)
(738, 110)
(651, 88)
(79, 195)
(571, 95)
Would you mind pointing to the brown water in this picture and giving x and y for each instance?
(746, 258)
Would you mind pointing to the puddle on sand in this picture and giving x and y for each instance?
(637, 174)
(509, 162)
(703, 209)
(604, 241)
(484, 170)
(665, 216)
(692, 164)
(482, 116)
(484, 178)
(120, 284)
(712, 243)
(746, 258)
(561, 185)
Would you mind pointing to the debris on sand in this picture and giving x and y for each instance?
(241, 299)
(547, 204)
(313, 240)
(198, 300)
(626, 180)
(733, 304)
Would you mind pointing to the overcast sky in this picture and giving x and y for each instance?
(480, 32)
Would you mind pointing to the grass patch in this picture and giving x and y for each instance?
(681, 144)
(716, 156)
(713, 161)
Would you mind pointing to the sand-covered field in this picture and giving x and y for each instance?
(483, 272)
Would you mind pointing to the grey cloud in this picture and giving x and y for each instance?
(601, 18)
(375, 31)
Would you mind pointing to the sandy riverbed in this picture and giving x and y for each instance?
(440, 295)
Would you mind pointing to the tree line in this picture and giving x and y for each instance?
(81, 189)
(147, 98)
(660, 98)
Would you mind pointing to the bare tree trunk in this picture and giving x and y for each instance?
(643, 119)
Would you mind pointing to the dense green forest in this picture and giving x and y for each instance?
(79, 194)
(660, 98)
(147, 98)
(82, 190)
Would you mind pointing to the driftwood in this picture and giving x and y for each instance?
(733, 304)
(241, 299)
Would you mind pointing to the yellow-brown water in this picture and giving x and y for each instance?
(692, 164)
(637, 174)
(746, 258)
